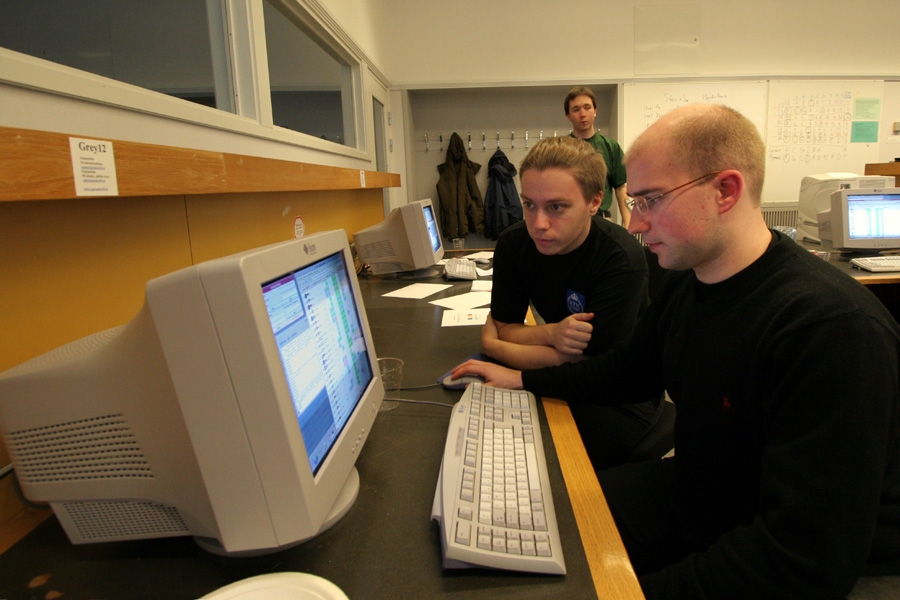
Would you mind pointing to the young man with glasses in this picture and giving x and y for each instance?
(786, 375)
(585, 277)
(581, 111)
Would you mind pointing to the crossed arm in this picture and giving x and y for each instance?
(534, 346)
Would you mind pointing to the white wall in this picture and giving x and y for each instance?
(504, 41)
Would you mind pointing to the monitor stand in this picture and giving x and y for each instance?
(341, 507)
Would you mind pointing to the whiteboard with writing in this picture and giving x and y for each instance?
(819, 127)
(644, 103)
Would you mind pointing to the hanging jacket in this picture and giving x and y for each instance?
(502, 206)
(462, 207)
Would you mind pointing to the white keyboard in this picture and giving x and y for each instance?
(460, 268)
(877, 263)
(493, 500)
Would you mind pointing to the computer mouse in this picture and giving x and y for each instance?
(460, 383)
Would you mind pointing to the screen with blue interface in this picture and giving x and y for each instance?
(873, 216)
(433, 233)
(320, 340)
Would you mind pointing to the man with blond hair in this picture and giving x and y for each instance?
(584, 277)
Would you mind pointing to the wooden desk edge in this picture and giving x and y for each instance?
(20, 525)
(610, 567)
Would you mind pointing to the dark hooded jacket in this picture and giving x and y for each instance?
(502, 206)
(462, 207)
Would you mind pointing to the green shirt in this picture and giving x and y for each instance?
(612, 154)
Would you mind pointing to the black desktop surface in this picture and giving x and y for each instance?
(385, 547)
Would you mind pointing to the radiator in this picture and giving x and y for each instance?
(782, 214)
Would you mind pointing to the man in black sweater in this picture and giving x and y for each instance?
(786, 375)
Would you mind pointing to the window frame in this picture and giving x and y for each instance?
(247, 65)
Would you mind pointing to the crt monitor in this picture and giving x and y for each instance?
(815, 197)
(408, 241)
(862, 220)
(231, 408)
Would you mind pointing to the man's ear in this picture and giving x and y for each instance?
(730, 187)
(596, 201)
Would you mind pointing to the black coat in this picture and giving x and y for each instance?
(502, 206)
(462, 208)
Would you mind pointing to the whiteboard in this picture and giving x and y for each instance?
(819, 127)
(646, 102)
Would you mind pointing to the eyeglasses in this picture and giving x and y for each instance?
(643, 204)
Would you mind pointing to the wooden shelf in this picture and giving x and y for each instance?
(37, 165)
(891, 168)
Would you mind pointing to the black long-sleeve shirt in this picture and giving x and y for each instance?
(786, 378)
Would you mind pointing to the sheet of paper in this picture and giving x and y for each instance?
(486, 254)
(482, 285)
(418, 290)
(464, 301)
(484, 272)
(455, 318)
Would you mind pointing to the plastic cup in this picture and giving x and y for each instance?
(391, 370)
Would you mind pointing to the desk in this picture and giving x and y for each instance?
(386, 546)
(883, 285)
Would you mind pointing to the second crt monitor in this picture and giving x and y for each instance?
(407, 241)
(862, 220)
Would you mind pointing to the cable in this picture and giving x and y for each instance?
(6, 471)
(420, 387)
(410, 401)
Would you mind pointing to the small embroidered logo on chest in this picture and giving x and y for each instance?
(575, 302)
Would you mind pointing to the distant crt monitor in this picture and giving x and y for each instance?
(815, 197)
(231, 408)
(863, 220)
(407, 241)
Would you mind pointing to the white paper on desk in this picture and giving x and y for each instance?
(484, 272)
(485, 254)
(464, 301)
(455, 318)
(418, 290)
(482, 285)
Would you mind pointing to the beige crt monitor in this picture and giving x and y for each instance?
(408, 241)
(231, 408)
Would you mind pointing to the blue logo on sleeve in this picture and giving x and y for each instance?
(575, 302)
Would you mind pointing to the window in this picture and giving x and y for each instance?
(163, 45)
(184, 49)
(310, 87)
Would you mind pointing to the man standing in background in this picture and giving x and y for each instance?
(581, 110)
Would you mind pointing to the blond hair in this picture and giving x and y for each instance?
(573, 155)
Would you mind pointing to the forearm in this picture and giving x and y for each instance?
(622, 201)
(524, 356)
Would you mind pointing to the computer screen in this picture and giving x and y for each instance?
(231, 408)
(815, 197)
(408, 241)
(863, 220)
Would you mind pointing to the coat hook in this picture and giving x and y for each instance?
(470, 141)
(554, 132)
(426, 142)
(512, 139)
(441, 138)
(483, 142)
(498, 139)
(526, 139)
(542, 134)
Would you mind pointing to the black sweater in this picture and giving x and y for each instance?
(786, 378)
